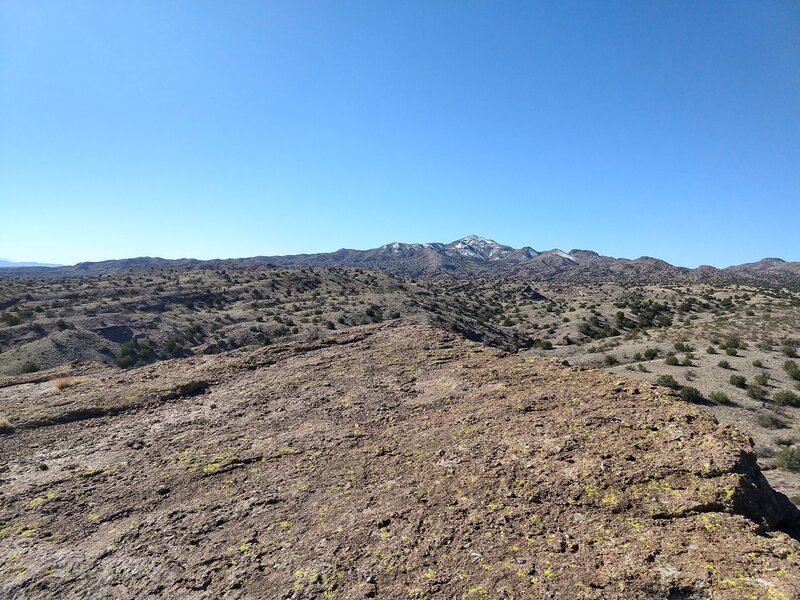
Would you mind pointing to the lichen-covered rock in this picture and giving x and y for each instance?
(387, 462)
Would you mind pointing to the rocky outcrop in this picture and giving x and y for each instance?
(388, 462)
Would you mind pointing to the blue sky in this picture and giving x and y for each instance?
(227, 129)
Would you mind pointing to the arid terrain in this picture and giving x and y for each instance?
(387, 461)
(240, 429)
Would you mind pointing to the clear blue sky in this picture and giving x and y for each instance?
(227, 129)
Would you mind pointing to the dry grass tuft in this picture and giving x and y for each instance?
(5, 425)
(65, 382)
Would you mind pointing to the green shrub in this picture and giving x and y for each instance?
(756, 392)
(757, 363)
(651, 353)
(792, 370)
(691, 394)
(762, 378)
(724, 364)
(786, 398)
(768, 421)
(731, 351)
(738, 381)
(789, 459)
(672, 360)
(29, 367)
(667, 381)
(719, 397)
(135, 353)
(610, 360)
(711, 350)
(683, 347)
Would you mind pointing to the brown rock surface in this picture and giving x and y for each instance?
(389, 462)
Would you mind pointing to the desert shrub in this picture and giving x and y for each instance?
(642, 368)
(789, 348)
(733, 341)
(667, 381)
(768, 421)
(9, 319)
(135, 353)
(683, 347)
(651, 353)
(672, 360)
(765, 452)
(764, 345)
(691, 394)
(756, 392)
(786, 398)
(719, 397)
(731, 351)
(762, 378)
(789, 459)
(724, 364)
(29, 367)
(792, 370)
(738, 381)
(610, 360)
(711, 350)
(758, 364)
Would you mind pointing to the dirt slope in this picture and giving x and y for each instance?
(389, 462)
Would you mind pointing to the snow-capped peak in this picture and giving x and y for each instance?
(563, 254)
(479, 247)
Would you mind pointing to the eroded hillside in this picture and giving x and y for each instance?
(384, 461)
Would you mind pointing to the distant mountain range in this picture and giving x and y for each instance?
(473, 256)
(10, 264)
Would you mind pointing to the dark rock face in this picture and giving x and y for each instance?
(388, 462)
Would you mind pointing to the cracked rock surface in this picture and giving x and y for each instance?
(387, 462)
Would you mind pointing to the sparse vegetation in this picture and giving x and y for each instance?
(770, 421)
(786, 398)
(667, 381)
(719, 397)
(691, 394)
(738, 381)
(756, 392)
(789, 459)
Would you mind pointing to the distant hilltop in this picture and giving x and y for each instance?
(10, 264)
(470, 256)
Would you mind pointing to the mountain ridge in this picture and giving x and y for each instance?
(472, 256)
